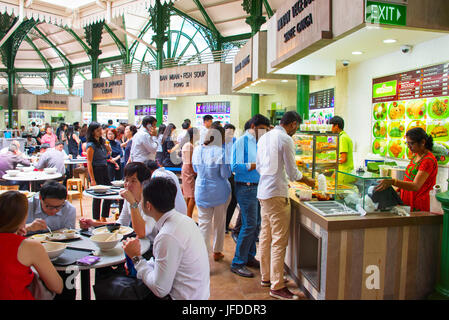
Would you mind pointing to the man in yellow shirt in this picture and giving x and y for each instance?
(346, 157)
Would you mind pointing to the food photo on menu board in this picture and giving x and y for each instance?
(417, 98)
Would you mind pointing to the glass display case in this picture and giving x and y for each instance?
(317, 153)
(356, 190)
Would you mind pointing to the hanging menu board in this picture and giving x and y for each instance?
(321, 106)
(220, 111)
(403, 101)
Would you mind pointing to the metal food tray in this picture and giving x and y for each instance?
(331, 208)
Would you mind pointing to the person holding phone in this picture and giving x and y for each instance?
(145, 142)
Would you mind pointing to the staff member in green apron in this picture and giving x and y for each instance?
(346, 163)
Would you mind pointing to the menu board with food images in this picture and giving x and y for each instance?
(418, 98)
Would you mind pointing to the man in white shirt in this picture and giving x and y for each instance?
(180, 267)
(276, 164)
(145, 142)
(34, 130)
(207, 123)
(157, 171)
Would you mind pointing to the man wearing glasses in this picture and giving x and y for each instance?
(50, 209)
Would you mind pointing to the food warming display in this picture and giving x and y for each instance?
(419, 98)
(316, 155)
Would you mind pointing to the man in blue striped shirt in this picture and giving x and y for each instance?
(243, 164)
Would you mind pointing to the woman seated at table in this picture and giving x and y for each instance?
(420, 176)
(19, 254)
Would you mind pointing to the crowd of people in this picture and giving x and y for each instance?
(218, 172)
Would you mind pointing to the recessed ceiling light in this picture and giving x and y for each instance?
(357, 53)
(390, 41)
(284, 81)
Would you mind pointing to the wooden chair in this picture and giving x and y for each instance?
(78, 183)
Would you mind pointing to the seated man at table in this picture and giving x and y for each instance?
(157, 172)
(9, 161)
(136, 173)
(50, 209)
(180, 267)
(52, 157)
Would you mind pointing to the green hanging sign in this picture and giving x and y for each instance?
(385, 13)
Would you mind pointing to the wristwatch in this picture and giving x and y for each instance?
(135, 205)
(136, 259)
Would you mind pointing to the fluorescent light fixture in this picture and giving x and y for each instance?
(263, 80)
(357, 53)
(284, 81)
(390, 41)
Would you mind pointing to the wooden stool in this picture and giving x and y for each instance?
(78, 183)
(9, 188)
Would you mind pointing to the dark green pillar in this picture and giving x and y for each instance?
(11, 84)
(255, 101)
(302, 96)
(160, 21)
(93, 38)
(442, 287)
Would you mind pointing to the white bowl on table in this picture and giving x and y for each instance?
(12, 173)
(27, 169)
(54, 249)
(100, 188)
(112, 240)
(50, 170)
(118, 183)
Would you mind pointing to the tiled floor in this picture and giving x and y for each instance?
(224, 285)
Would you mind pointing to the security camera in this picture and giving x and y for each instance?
(345, 63)
(406, 49)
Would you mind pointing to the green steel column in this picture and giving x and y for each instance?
(93, 37)
(442, 287)
(11, 82)
(160, 21)
(255, 99)
(302, 96)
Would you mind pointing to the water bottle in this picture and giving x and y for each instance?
(322, 185)
(435, 205)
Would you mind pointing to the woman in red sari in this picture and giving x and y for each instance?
(421, 174)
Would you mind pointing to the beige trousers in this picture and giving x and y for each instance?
(273, 239)
(213, 221)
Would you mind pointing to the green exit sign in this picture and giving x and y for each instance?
(385, 13)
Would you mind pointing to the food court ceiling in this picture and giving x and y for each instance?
(228, 17)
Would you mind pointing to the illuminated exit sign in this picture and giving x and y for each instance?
(385, 13)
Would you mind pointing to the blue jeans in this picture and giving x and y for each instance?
(250, 213)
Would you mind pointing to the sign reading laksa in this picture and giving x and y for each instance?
(301, 25)
(52, 102)
(112, 88)
(183, 81)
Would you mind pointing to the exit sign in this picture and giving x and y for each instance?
(385, 13)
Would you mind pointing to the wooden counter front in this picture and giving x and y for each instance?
(379, 256)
